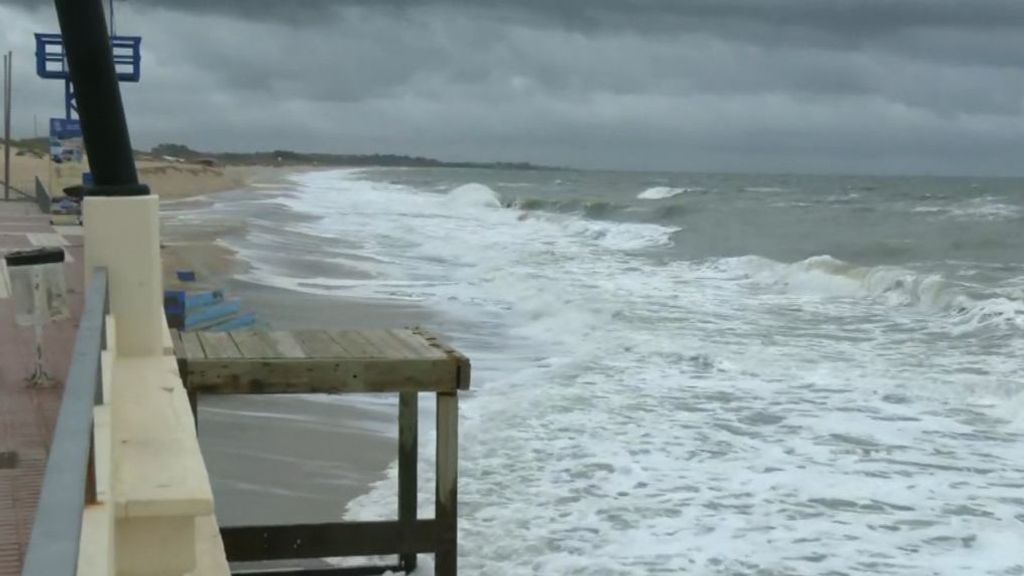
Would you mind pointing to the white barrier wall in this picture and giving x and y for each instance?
(154, 515)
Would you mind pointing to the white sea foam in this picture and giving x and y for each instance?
(474, 194)
(663, 192)
(960, 305)
(978, 209)
(733, 416)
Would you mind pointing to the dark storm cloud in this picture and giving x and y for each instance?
(814, 20)
(862, 15)
(819, 22)
(814, 85)
(951, 30)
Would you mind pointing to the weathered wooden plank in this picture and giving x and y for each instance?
(355, 345)
(417, 343)
(387, 345)
(408, 431)
(179, 348)
(191, 345)
(329, 376)
(218, 345)
(446, 497)
(285, 344)
(318, 344)
(256, 543)
(465, 367)
(255, 344)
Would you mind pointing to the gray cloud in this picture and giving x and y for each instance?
(872, 85)
(862, 15)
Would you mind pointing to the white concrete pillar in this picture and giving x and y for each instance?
(123, 234)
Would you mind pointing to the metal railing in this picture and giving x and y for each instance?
(42, 197)
(70, 480)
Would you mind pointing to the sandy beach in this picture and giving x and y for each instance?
(169, 180)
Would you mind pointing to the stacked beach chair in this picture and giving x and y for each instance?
(191, 306)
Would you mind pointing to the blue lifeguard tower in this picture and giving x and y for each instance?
(51, 63)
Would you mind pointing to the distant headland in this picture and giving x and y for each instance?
(181, 152)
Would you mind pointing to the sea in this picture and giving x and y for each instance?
(694, 373)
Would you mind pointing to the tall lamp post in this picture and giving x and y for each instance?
(91, 67)
(121, 217)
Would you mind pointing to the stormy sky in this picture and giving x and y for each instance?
(821, 86)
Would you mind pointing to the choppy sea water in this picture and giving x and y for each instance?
(697, 373)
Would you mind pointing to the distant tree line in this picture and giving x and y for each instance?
(290, 157)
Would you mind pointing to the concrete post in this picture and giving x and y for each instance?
(123, 234)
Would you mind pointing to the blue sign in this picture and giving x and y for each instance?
(64, 129)
(66, 144)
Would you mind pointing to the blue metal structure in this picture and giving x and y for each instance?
(51, 63)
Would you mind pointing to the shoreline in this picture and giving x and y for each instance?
(281, 459)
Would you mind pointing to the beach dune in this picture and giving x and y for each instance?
(168, 179)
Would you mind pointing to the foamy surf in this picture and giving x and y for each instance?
(638, 412)
(663, 192)
(474, 194)
(958, 304)
(766, 189)
(982, 209)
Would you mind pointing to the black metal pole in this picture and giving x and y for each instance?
(91, 65)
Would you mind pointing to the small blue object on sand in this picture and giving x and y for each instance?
(192, 306)
(181, 302)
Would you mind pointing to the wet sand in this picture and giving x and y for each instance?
(291, 459)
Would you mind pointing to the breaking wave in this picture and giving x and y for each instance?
(589, 208)
(474, 194)
(985, 209)
(828, 277)
(633, 398)
(663, 192)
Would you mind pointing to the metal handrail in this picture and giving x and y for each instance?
(70, 480)
(42, 197)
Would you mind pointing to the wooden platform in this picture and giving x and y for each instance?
(310, 361)
(408, 362)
